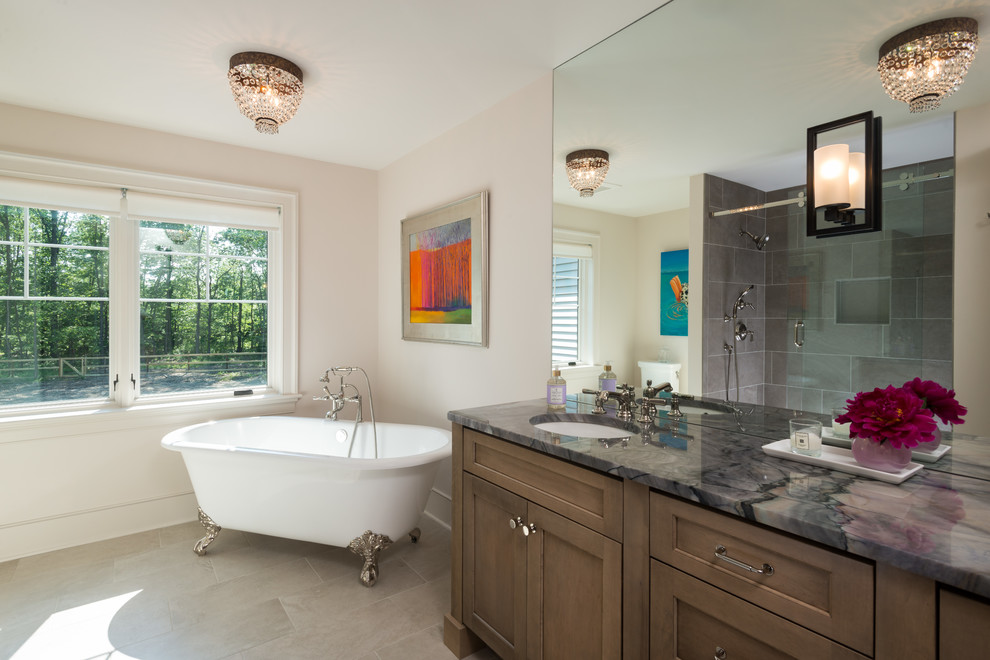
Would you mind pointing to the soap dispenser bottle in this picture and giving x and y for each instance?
(606, 380)
(556, 392)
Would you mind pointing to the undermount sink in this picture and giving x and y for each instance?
(584, 426)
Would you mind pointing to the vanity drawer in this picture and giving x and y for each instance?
(824, 590)
(587, 497)
(691, 619)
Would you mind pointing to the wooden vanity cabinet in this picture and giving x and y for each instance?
(964, 626)
(592, 566)
(536, 583)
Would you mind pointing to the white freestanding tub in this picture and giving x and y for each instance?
(291, 477)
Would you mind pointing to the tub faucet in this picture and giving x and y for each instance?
(339, 399)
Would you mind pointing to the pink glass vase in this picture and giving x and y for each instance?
(933, 445)
(880, 455)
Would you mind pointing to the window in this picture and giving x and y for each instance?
(573, 297)
(54, 276)
(118, 293)
(204, 308)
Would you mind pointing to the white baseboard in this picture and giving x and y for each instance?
(438, 506)
(32, 537)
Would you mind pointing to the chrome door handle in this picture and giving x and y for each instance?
(799, 336)
(720, 551)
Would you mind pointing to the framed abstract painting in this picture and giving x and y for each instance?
(674, 293)
(445, 273)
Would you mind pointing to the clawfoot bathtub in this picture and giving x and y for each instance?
(290, 477)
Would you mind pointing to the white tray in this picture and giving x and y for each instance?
(840, 459)
(917, 455)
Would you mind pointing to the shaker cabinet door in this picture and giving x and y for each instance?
(574, 603)
(495, 566)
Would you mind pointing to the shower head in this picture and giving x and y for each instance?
(760, 241)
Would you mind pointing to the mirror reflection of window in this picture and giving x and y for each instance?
(573, 299)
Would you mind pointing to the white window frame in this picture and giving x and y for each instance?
(567, 243)
(125, 409)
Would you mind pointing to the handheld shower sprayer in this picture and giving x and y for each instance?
(761, 241)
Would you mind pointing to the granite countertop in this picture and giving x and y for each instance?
(936, 524)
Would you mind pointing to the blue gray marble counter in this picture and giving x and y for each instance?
(936, 524)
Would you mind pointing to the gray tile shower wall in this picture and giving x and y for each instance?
(796, 277)
(732, 263)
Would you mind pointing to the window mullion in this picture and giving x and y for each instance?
(124, 310)
(27, 262)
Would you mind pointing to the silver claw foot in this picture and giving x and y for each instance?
(212, 529)
(415, 534)
(367, 546)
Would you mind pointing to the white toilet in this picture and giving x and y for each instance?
(661, 372)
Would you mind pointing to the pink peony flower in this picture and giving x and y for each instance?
(940, 401)
(895, 414)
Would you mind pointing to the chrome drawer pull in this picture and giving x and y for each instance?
(720, 554)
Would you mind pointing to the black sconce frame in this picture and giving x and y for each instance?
(840, 222)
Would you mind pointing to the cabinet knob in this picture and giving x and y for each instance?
(515, 522)
(720, 653)
(529, 529)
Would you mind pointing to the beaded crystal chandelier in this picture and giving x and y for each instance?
(267, 89)
(922, 65)
(586, 170)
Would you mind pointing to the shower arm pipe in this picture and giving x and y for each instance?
(905, 180)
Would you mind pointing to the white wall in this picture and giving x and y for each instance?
(505, 150)
(616, 313)
(971, 270)
(661, 232)
(64, 489)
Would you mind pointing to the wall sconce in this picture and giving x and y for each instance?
(586, 170)
(844, 176)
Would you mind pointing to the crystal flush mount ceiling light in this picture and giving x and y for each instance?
(922, 65)
(267, 88)
(586, 170)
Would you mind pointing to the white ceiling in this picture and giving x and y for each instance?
(730, 88)
(382, 77)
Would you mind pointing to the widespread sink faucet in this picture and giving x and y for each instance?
(624, 394)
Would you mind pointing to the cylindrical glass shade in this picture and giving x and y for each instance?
(857, 181)
(831, 176)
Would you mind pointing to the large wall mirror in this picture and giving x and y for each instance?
(703, 107)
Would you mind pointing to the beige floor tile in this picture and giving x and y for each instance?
(332, 563)
(174, 555)
(83, 555)
(89, 630)
(426, 604)
(169, 582)
(424, 645)
(187, 532)
(7, 569)
(430, 557)
(218, 635)
(247, 560)
(61, 579)
(350, 634)
(313, 607)
(282, 580)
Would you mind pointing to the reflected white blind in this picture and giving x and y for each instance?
(565, 309)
